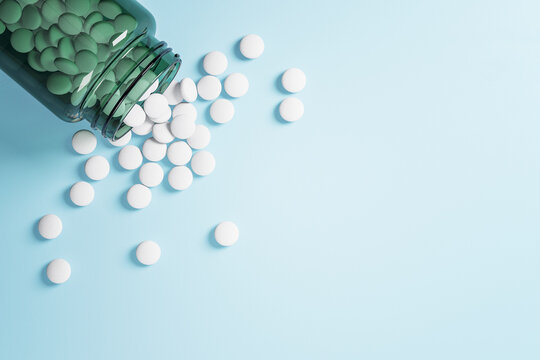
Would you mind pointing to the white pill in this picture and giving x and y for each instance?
(97, 167)
(180, 177)
(84, 142)
(156, 106)
(209, 87)
(215, 63)
(179, 153)
(291, 109)
(50, 226)
(58, 271)
(252, 46)
(200, 138)
(293, 80)
(173, 94)
(139, 196)
(130, 157)
(236, 85)
(162, 133)
(222, 111)
(185, 109)
(145, 128)
(124, 140)
(150, 90)
(203, 163)
(135, 117)
(188, 90)
(148, 252)
(163, 118)
(226, 233)
(151, 174)
(81, 193)
(182, 126)
(154, 150)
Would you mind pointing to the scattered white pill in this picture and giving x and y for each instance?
(215, 63)
(150, 90)
(84, 142)
(97, 167)
(163, 118)
(139, 196)
(50, 226)
(252, 46)
(293, 80)
(155, 106)
(145, 128)
(130, 157)
(124, 140)
(200, 138)
(58, 271)
(135, 117)
(151, 174)
(173, 94)
(179, 153)
(188, 90)
(154, 150)
(236, 85)
(148, 252)
(185, 109)
(291, 109)
(203, 163)
(222, 111)
(180, 177)
(81, 193)
(162, 133)
(182, 126)
(209, 87)
(226, 233)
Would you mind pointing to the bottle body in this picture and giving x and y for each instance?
(85, 59)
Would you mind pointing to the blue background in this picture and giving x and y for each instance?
(398, 219)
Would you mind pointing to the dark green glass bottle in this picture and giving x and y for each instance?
(85, 59)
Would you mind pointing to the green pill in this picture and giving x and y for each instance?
(103, 52)
(102, 32)
(10, 11)
(30, 18)
(52, 9)
(45, 24)
(124, 67)
(55, 34)
(22, 40)
(27, 2)
(84, 41)
(78, 7)
(109, 9)
(33, 61)
(47, 58)
(58, 83)
(2, 27)
(13, 27)
(40, 40)
(105, 88)
(66, 66)
(66, 49)
(124, 22)
(91, 19)
(70, 23)
(99, 68)
(92, 100)
(86, 60)
(77, 97)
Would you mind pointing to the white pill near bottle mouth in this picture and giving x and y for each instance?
(153, 150)
(123, 141)
(151, 174)
(179, 153)
(139, 196)
(84, 142)
(156, 106)
(135, 117)
(188, 90)
(183, 126)
(130, 157)
(97, 167)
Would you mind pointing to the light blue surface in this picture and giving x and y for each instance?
(399, 219)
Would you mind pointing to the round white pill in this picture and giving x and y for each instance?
(252, 46)
(188, 90)
(154, 150)
(226, 233)
(145, 128)
(291, 109)
(173, 94)
(185, 109)
(139, 196)
(179, 153)
(148, 252)
(182, 126)
(50, 226)
(215, 63)
(84, 142)
(135, 117)
(150, 90)
(97, 167)
(163, 118)
(209, 87)
(236, 85)
(81, 193)
(58, 271)
(130, 157)
(200, 138)
(162, 133)
(222, 111)
(124, 140)
(151, 174)
(293, 80)
(203, 163)
(180, 177)
(155, 106)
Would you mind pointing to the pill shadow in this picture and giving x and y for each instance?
(279, 86)
(68, 201)
(278, 117)
(132, 255)
(124, 202)
(200, 67)
(43, 277)
(212, 241)
(82, 173)
(236, 51)
(35, 231)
